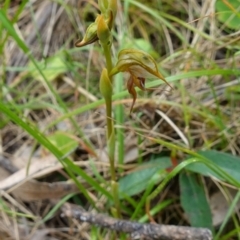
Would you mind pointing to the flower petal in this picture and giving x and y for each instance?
(132, 91)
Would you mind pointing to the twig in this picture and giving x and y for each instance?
(138, 230)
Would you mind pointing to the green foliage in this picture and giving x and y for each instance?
(233, 93)
(229, 13)
(145, 184)
(227, 162)
(194, 201)
(66, 162)
(138, 180)
(51, 68)
(63, 141)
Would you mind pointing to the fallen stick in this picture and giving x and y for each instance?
(139, 230)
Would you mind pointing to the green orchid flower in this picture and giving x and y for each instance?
(140, 66)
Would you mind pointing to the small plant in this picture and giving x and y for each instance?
(139, 64)
(195, 120)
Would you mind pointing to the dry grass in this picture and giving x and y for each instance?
(202, 112)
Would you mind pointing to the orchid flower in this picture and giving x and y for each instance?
(140, 66)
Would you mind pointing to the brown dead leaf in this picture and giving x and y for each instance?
(220, 206)
(38, 168)
(26, 188)
(35, 190)
(131, 155)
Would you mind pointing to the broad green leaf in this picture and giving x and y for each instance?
(194, 202)
(51, 68)
(228, 162)
(229, 13)
(138, 180)
(63, 141)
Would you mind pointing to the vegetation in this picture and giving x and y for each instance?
(170, 154)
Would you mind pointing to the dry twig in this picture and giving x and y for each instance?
(138, 230)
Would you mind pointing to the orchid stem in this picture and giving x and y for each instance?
(108, 57)
(110, 132)
(110, 128)
(110, 138)
(109, 118)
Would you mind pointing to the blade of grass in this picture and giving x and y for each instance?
(66, 162)
(230, 234)
(152, 182)
(119, 113)
(156, 209)
(229, 214)
(152, 84)
(197, 158)
(56, 207)
(8, 25)
(143, 200)
(158, 16)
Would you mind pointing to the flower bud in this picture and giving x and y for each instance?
(105, 85)
(100, 29)
(89, 37)
(103, 31)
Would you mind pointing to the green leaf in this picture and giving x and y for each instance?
(229, 14)
(51, 68)
(227, 162)
(63, 141)
(138, 180)
(194, 202)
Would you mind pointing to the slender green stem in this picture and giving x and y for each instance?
(108, 57)
(110, 128)
(109, 118)
(111, 139)
(112, 169)
(110, 133)
(106, 87)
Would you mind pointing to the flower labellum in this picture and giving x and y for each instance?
(140, 66)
